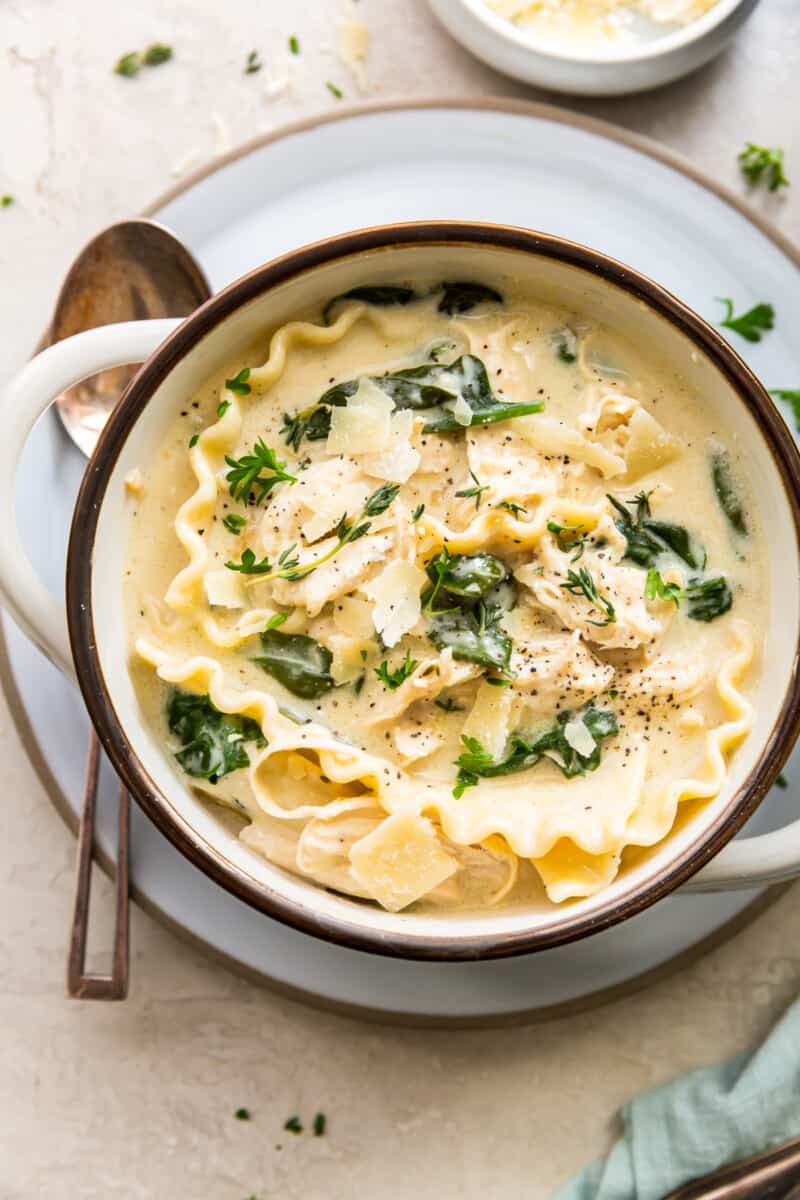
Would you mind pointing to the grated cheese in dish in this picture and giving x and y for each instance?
(588, 21)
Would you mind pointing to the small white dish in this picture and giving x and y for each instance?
(596, 70)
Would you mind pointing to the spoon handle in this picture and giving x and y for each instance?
(80, 984)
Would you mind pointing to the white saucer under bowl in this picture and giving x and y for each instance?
(508, 162)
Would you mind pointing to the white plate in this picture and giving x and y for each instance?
(512, 163)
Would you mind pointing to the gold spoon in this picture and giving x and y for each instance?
(131, 271)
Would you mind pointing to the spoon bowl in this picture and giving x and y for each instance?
(132, 271)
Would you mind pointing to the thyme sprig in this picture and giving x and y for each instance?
(250, 478)
(581, 583)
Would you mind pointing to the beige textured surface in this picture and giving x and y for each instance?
(135, 1100)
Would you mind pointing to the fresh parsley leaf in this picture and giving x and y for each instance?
(239, 384)
(417, 513)
(211, 743)
(193, 440)
(476, 491)
(319, 1124)
(222, 408)
(791, 397)
(656, 589)
(243, 1114)
(294, 44)
(234, 523)
(253, 476)
(393, 679)
(253, 63)
(750, 325)
(581, 583)
(459, 298)
(157, 54)
(514, 509)
(525, 751)
(294, 1125)
(302, 665)
(765, 162)
(248, 565)
(277, 619)
(335, 91)
(128, 65)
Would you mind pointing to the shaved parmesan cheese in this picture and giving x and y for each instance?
(353, 617)
(649, 445)
(134, 482)
(349, 656)
(398, 462)
(578, 736)
(462, 411)
(401, 861)
(224, 588)
(488, 720)
(326, 508)
(222, 138)
(353, 44)
(396, 592)
(363, 425)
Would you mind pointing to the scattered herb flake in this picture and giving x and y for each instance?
(294, 44)
(253, 476)
(336, 92)
(656, 589)
(514, 509)
(193, 440)
(750, 325)
(763, 162)
(253, 63)
(277, 619)
(157, 54)
(243, 1114)
(294, 1125)
(782, 782)
(791, 396)
(476, 491)
(393, 679)
(234, 523)
(239, 385)
(320, 1121)
(581, 583)
(6, 201)
(417, 513)
(222, 408)
(448, 704)
(129, 64)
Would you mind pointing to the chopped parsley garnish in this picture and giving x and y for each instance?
(514, 509)
(763, 162)
(276, 619)
(417, 513)
(782, 782)
(234, 523)
(581, 583)
(222, 408)
(294, 1125)
(243, 1114)
(288, 565)
(211, 742)
(393, 679)
(193, 440)
(569, 538)
(524, 752)
(157, 54)
(294, 44)
(319, 1124)
(253, 476)
(253, 63)
(656, 589)
(791, 396)
(130, 64)
(448, 704)
(750, 325)
(239, 384)
(6, 201)
(336, 92)
(475, 492)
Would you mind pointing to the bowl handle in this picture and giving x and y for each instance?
(32, 391)
(752, 862)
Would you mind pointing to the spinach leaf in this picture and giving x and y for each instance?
(212, 742)
(298, 662)
(708, 598)
(470, 575)
(429, 385)
(472, 636)
(461, 297)
(382, 295)
(729, 499)
(525, 752)
(647, 538)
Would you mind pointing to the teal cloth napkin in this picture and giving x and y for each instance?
(701, 1121)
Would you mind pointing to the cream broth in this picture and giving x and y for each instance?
(593, 22)
(475, 674)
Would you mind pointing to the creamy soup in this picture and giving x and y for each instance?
(610, 22)
(448, 595)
